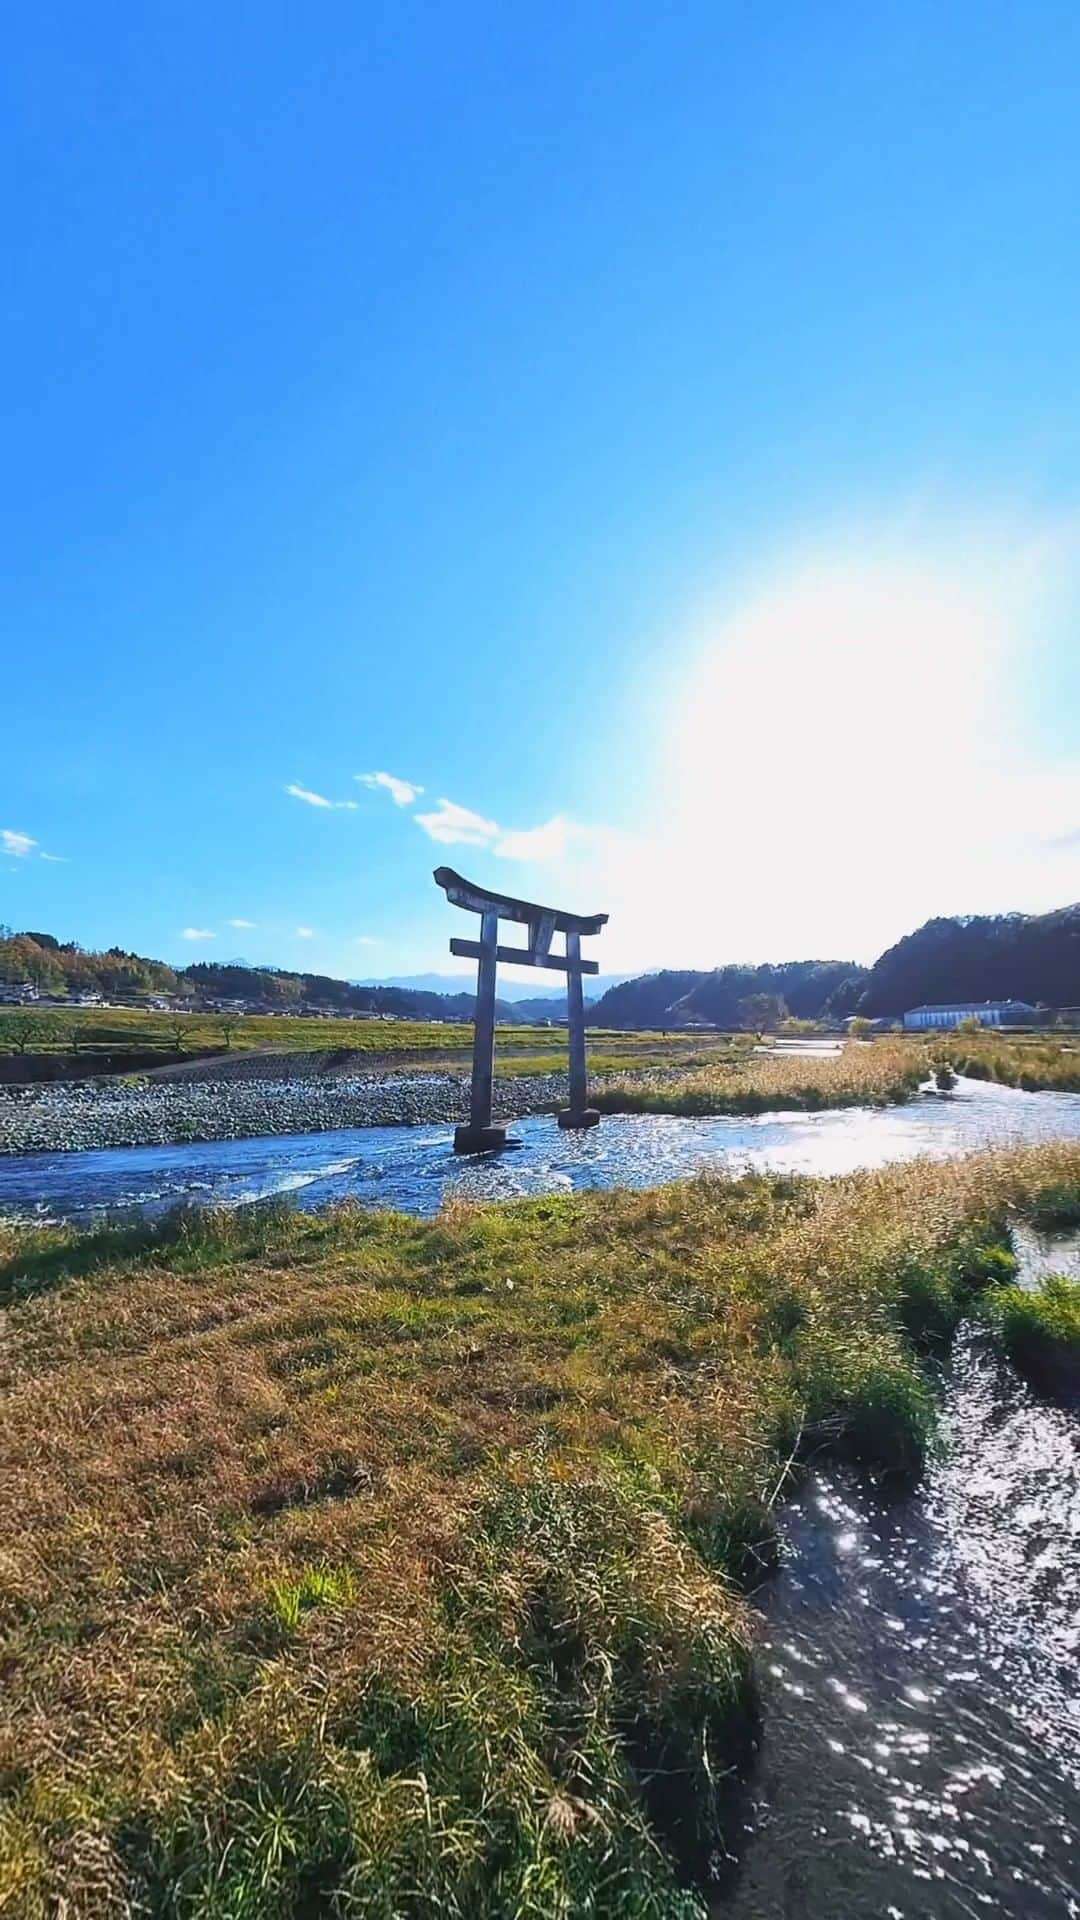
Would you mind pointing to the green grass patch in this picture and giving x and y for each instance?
(1040, 1331)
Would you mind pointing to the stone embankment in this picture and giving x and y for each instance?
(165, 1111)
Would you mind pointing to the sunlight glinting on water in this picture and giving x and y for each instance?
(415, 1168)
(921, 1754)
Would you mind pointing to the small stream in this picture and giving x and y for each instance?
(921, 1664)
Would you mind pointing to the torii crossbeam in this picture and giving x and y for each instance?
(481, 1135)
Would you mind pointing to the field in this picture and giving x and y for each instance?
(110, 1029)
(534, 1049)
(367, 1566)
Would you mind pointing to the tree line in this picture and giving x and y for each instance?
(750, 997)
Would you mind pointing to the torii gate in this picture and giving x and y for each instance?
(481, 1135)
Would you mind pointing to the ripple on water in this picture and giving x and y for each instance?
(921, 1754)
(414, 1167)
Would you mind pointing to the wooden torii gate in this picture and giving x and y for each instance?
(481, 1135)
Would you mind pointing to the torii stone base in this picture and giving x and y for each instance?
(587, 1117)
(470, 1139)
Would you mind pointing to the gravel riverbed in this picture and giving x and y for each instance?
(66, 1117)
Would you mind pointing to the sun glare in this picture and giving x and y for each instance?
(846, 760)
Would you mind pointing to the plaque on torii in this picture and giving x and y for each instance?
(481, 1135)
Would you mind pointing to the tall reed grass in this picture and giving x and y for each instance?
(886, 1073)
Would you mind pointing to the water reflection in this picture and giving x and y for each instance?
(922, 1736)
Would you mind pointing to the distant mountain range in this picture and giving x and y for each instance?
(457, 983)
(734, 996)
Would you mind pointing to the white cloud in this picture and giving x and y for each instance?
(547, 842)
(367, 940)
(57, 859)
(318, 799)
(402, 792)
(240, 923)
(552, 840)
(454, 826)
(305, 933)
(19, 844)
(198, 933)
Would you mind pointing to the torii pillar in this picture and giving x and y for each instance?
(481, 1135)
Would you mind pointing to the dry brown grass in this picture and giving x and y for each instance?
(365, 1565)
(745, 1082)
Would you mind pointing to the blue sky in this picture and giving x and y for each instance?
(651, 432)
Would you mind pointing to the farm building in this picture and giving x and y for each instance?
(989, 1013)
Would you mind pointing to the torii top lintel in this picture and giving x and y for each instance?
(464, 893)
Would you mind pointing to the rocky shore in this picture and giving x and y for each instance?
(64, 1117)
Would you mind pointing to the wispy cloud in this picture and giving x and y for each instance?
(198, 933)
(367, 940)
(305, 933)
(454, 826)
(547, 842)
(23, 846)
(402, 792)
(246, 924)
(311, 799)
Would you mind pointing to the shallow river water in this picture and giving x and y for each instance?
(415, 1168)
(921, 1665)
(920, 1652)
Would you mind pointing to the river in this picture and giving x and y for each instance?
(414, 1168)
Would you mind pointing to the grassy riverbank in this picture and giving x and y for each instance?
(883, 1073)
(1036, 1063)
(745, 1082)
(359, 1564)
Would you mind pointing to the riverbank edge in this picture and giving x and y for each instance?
(929, 1292)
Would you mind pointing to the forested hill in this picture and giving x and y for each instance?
(1010, 956)
(61, 968)
(734, 996)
